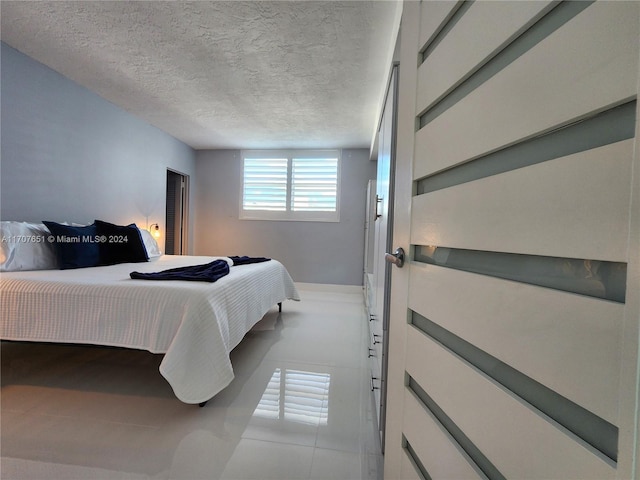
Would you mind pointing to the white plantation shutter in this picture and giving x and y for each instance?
(265, 184)
(269, 405)
(306, 397)
(296, 396)
(301, 185)
(314, 184)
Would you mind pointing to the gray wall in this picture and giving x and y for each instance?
(313, 252)
(70, 155)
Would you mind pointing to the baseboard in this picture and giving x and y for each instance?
(325, 287)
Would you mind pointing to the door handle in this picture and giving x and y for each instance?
(373, 387)
(397, 257)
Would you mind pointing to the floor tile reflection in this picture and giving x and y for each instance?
(299, 407)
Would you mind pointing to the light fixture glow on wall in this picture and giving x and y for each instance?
(154, 228)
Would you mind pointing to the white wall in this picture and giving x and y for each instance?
(313, 252)
(69, 155)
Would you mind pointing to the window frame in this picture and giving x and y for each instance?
(288, 214)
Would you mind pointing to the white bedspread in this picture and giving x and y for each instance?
(196, 324)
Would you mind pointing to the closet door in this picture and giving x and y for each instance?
(514, 325)
(379, 321)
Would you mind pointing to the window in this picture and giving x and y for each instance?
(290, 185)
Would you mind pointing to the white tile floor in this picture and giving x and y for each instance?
(299, 407)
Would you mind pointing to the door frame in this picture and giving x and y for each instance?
(399, 284)
(184, 212)
(393, 89)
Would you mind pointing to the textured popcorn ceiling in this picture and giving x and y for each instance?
(222, 74)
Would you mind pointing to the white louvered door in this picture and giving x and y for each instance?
(513, 344)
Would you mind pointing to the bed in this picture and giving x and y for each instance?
(194, 324)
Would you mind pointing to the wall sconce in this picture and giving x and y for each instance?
(154, 228)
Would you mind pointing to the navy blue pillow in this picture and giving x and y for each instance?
(120, 244)
(76, 247)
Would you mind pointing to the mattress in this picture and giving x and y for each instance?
(195, 324)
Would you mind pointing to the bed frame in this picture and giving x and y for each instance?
(194, 324)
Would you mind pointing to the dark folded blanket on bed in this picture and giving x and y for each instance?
(208, 272)
(244, 260)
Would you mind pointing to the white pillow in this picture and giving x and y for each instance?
(26, 246)
(150, 244)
